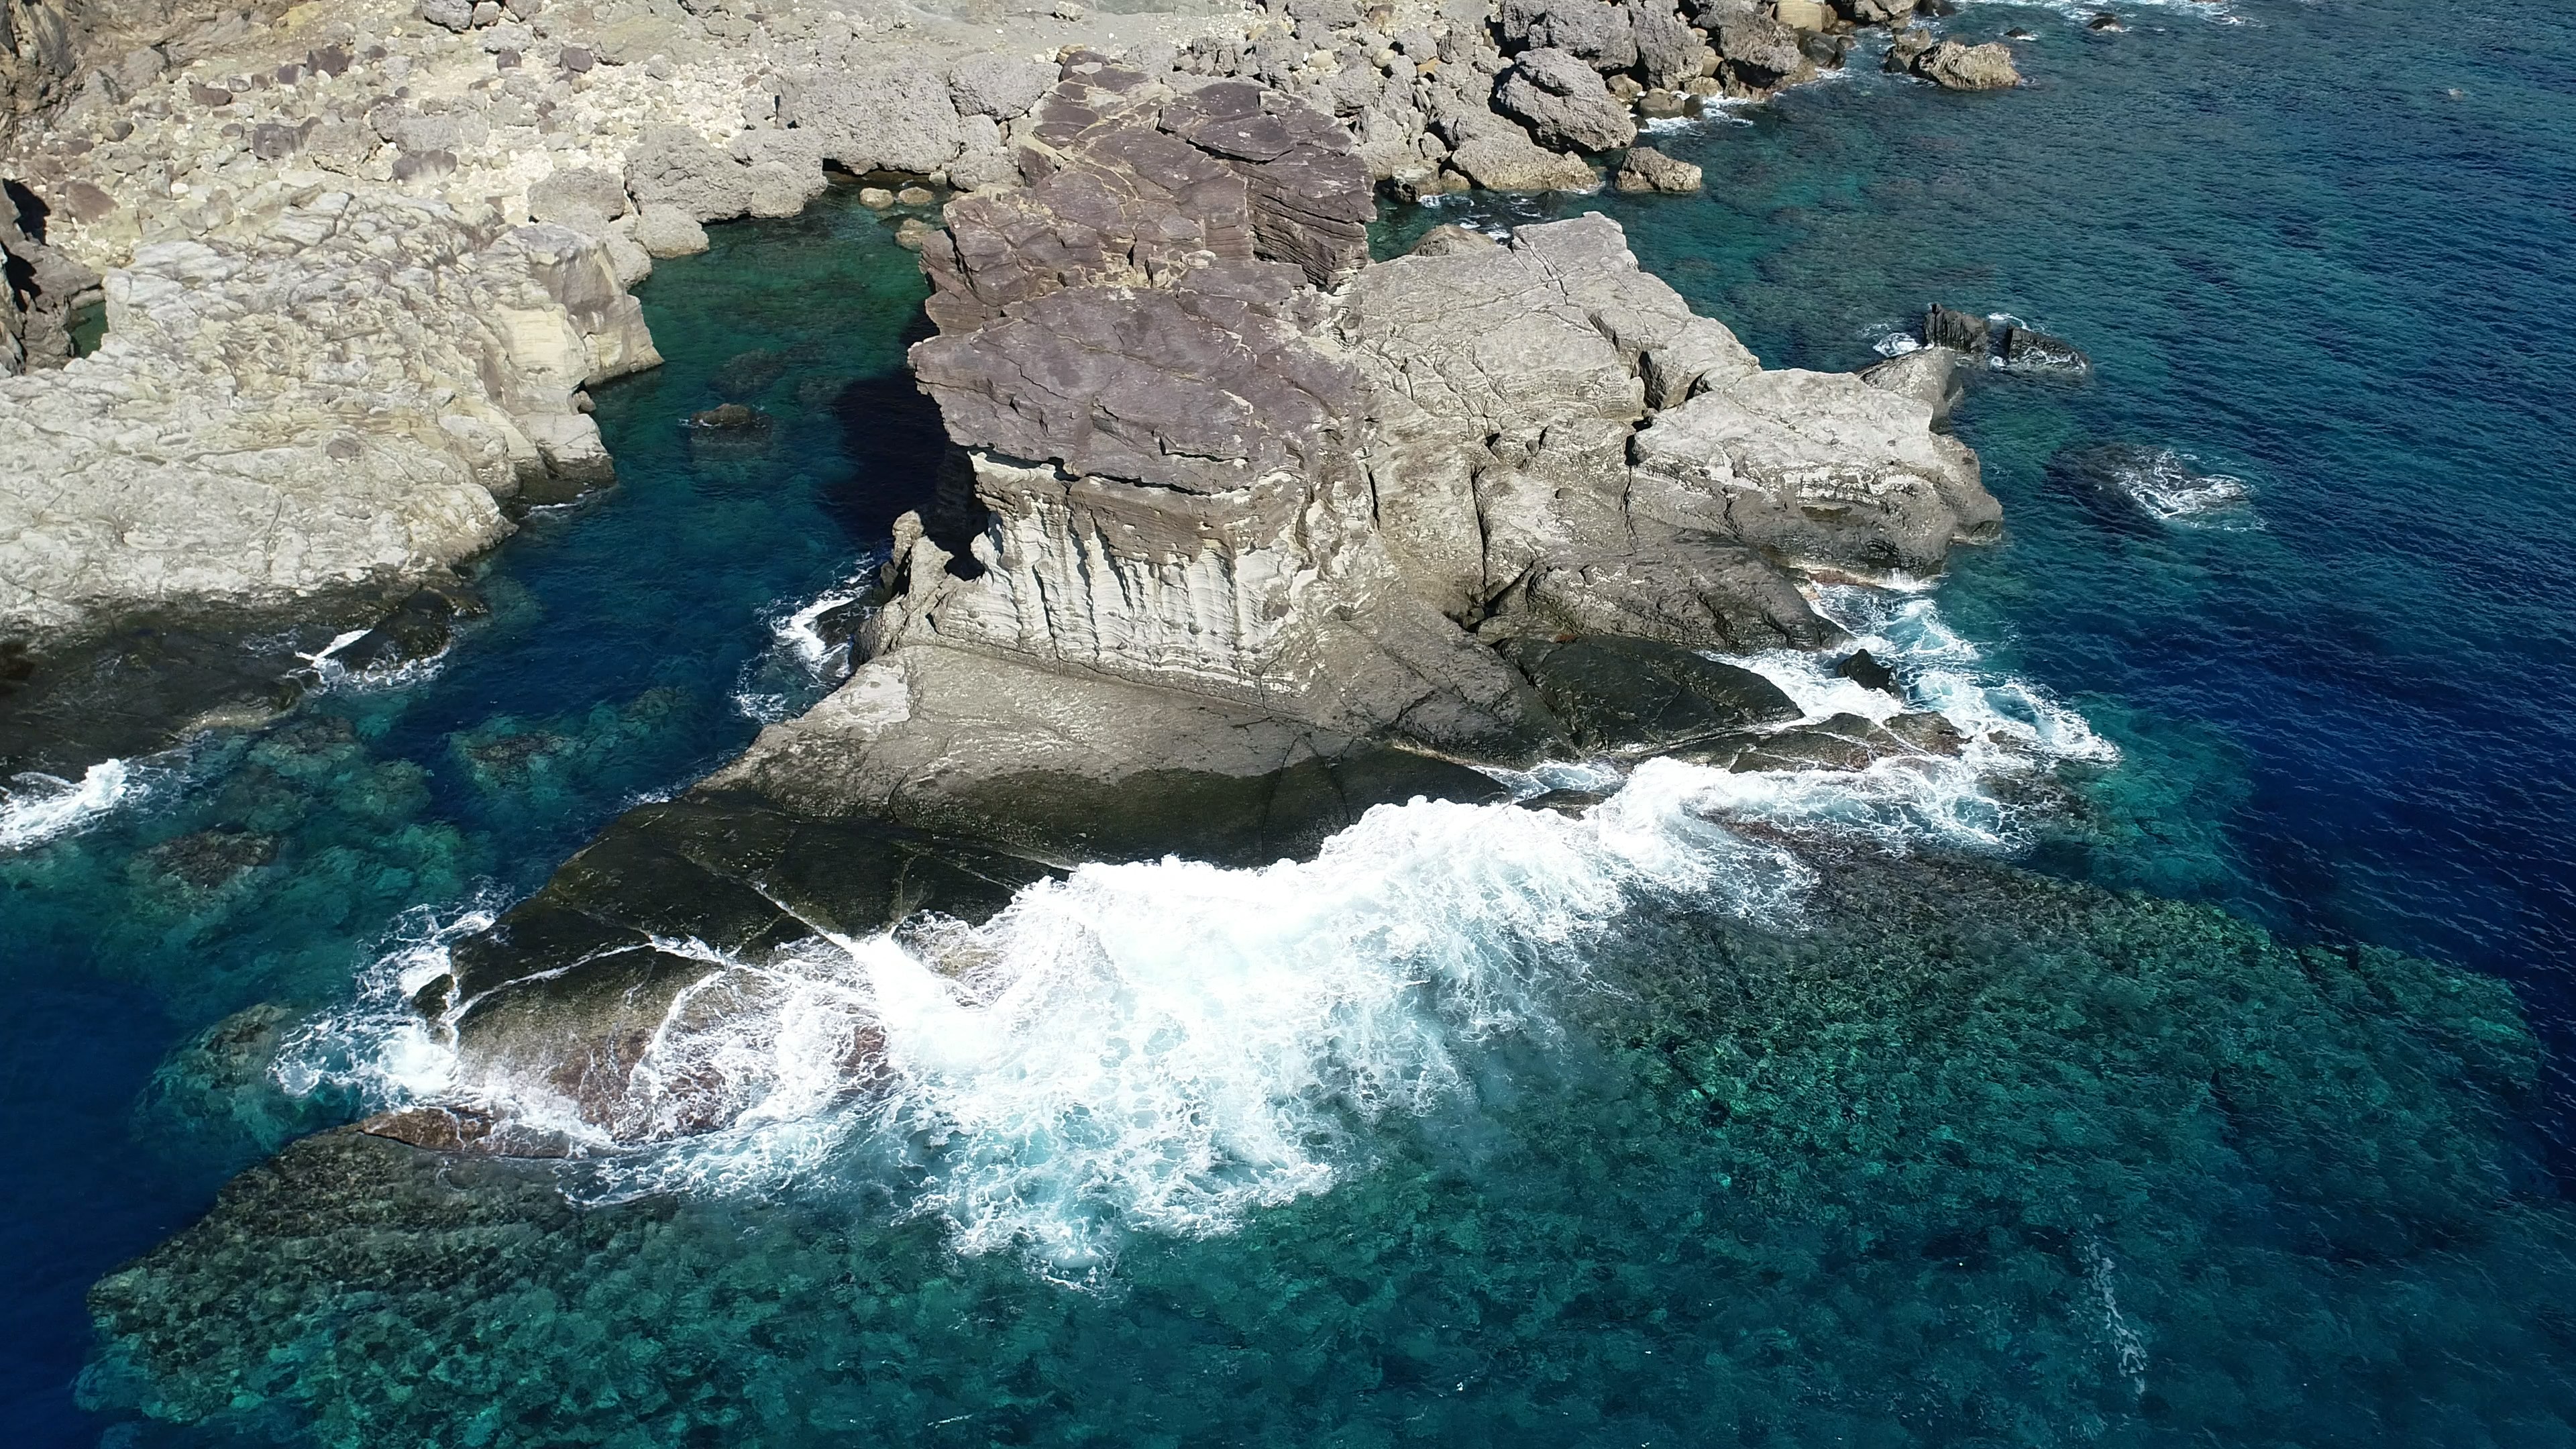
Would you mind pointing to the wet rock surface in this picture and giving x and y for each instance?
(1643, 694)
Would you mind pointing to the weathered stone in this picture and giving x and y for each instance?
(1818, 467)
(1929, 375)
(1648, 169)
(667, 231)
(395, 423)
(1956, 67)
(1001, 86)
(585, 198)
(898, 118)
(1563, 102)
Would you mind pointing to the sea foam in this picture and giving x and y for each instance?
(1167, 1046)
(36, 807)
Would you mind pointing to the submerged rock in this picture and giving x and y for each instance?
(208, 859)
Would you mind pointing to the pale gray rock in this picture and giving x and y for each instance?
(667, 231)
(1957, 67)
(1764, 46)
(1511, 161)
(1647, 169)
(1669, 52)
(1003, 87)
(672, 166)
(897, 118)
(1929, 375)
(1564, 102)
(266, 425)
(1816, 467)
(1596, 32)
(586, 198)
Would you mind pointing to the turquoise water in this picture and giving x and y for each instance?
(1944, 1152)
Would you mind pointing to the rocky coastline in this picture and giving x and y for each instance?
(1227, 558)
(1241, 534)
(357, 263)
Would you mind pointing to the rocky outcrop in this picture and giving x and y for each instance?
(1954, 66)
(1197, 472)
(356, 401)
(1563, 101)
(1647, 169)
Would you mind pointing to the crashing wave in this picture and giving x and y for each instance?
(36, 807)
(801, 664)
(1168, 1046)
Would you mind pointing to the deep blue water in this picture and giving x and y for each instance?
(1911, 1186)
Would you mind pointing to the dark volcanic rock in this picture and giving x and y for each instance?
(1863, 669)
(420, 629)
(1960, 331)
(2028, 350)
(1127, 184)
(1642, 694)
(1205, 385)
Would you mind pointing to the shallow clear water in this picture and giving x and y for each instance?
(1860, 1151)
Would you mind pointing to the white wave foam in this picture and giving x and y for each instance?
(1170, 1046)
(2167, 486)
(2009, 727)
(36, 807)
(330, 675)
(784, 680)
(378, 1048)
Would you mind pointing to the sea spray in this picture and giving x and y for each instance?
(1167, 1046)
(36, 807)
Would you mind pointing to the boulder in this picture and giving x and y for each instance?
(896, 118)
(1647, 169)
(1957, 67)
(667, 231)
(1003, 87)
(674, 167)
(1669, 52)
(1563, 102)
(585, 198)
(1762, 45)
(1511, 161)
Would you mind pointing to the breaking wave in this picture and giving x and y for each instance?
(1168, 1046)
(36, 807)
(800, 665)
